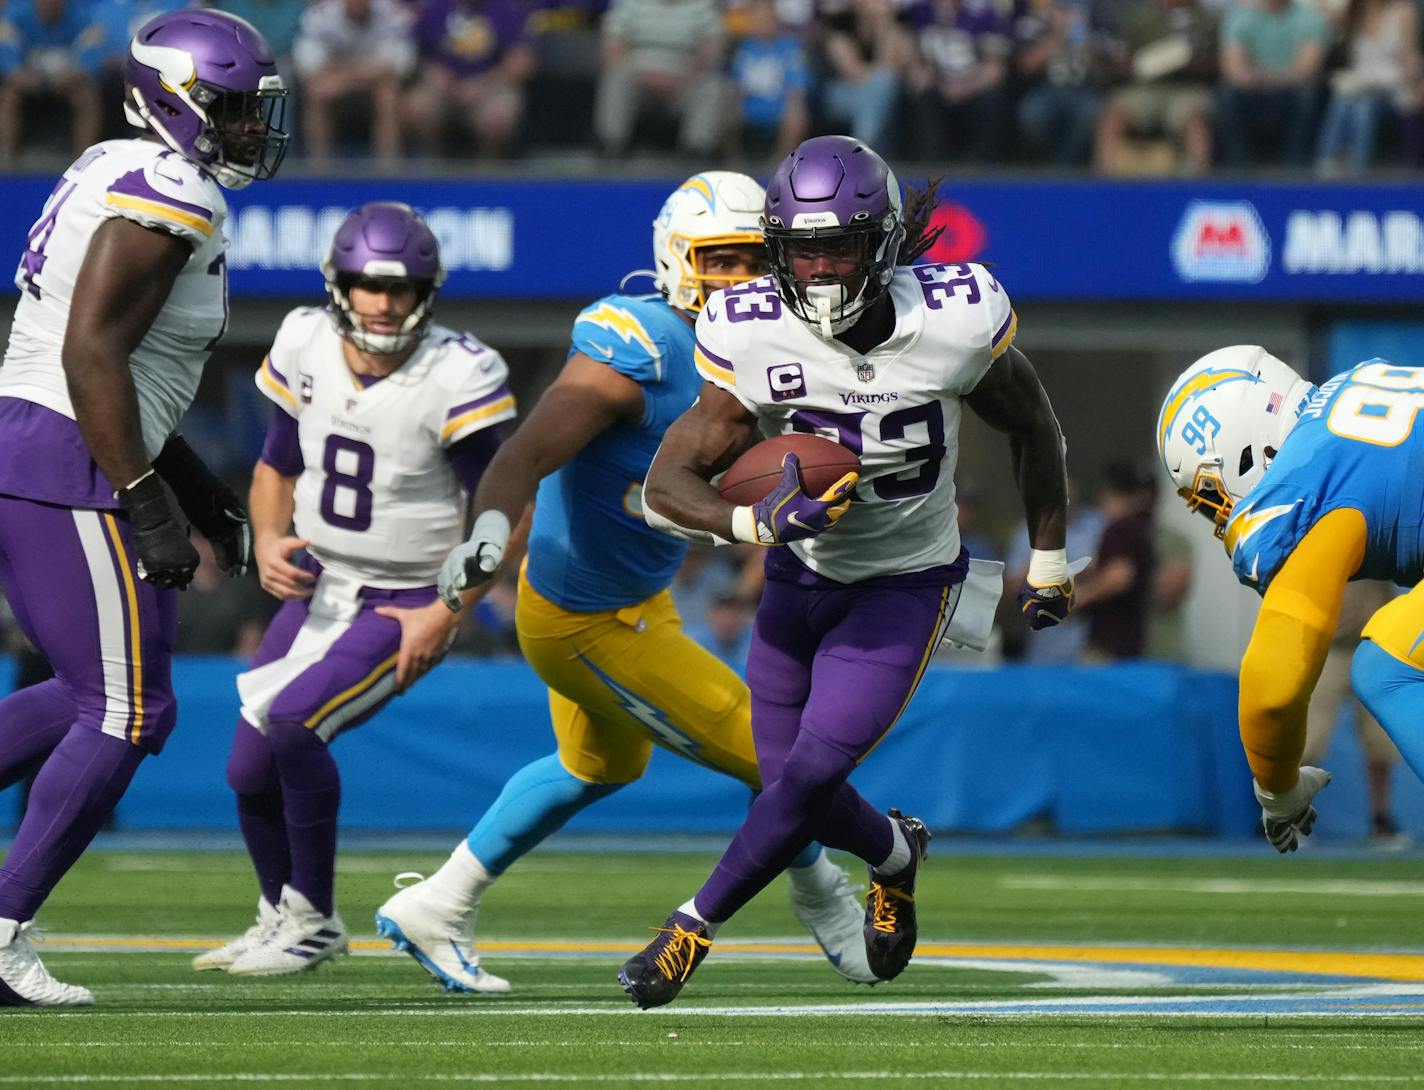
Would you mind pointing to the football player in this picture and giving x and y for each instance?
(123, 294)
(846, 339)
(595, 618)
(1308, 488)
(383, 423)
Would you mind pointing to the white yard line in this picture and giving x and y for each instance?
(1325, 887)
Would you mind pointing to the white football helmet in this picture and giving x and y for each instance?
(714, 208)
(1222, 423)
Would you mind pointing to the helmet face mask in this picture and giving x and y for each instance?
(1222, 423)
(835, 200)
(205, 83)
(383, 246)
(711, 210)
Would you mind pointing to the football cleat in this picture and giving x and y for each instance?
(837, 923)
(225, 955)
(890, 927)
(418, 922)
(24, 981)
(302, 939)
(655, 975)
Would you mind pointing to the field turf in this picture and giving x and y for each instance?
(1115, 971)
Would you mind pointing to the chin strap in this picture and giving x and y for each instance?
(823, 317)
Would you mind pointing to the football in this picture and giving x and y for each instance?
(756, 472)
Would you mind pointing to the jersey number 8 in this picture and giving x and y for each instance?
(349, 466)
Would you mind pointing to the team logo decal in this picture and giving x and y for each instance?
(1221, 241)
(786, 381)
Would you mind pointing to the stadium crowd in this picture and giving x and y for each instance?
(1119, 86)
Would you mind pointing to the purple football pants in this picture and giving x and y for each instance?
(70, 576)
(287, 784)
(831, 668)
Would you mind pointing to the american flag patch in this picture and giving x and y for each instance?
(1274, 403)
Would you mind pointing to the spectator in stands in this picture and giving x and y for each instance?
(476, 58)
(664, 55)
(1115, 592)
(1333, 693)
(1059, 59)
(1271, 55)
(51, 49)
(1381, 78)
(278, 20)
(868, 54)
(771, 81)
(726, 630)
(1171, 582)
(1170, 59)
(350, 51)
(960, 79)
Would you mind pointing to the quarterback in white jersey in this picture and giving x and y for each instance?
(863, 580)
(382, 424)
(123, 293)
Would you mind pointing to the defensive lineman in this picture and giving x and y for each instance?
(123, 293)
(1308, 488)
(844, 341)
(383, 423)
(595, 618)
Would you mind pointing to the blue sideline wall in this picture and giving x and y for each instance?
(1131, 748)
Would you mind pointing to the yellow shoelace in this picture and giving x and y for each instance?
(675, 959)
(884, 911)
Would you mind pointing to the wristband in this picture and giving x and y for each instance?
(1048, 568)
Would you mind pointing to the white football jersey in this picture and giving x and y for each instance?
(897, 408)
(377, 498)
(143, 181)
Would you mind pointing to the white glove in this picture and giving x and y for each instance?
(475, 561)
(1289, 817)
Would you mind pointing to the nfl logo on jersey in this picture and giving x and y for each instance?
(306, 389)
(865, 371)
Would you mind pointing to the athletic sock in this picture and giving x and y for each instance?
(899, 857)
(462, 879)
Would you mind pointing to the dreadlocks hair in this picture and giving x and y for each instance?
(920, 205)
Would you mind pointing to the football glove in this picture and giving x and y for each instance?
(1288, 818)
(1046, 605)
(166, 558)
(210, 504)
(476, 560)
(787, 513)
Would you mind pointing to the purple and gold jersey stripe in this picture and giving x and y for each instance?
(132, 191)
(275, 381)
(132, 633)
(314, 721)
(713, 367)
(1005, 336)
(472, 412)
(948, 599)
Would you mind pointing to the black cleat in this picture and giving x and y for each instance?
(890, 927)
(655, 975)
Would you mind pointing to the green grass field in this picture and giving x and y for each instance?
(1042, 971)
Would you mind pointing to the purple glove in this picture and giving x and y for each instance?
(1044, 607)
(788, 514)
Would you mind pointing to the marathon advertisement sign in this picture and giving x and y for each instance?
(1047, 240)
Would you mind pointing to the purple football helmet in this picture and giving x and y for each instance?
(205, 83)
(833, 200)
(383, 241)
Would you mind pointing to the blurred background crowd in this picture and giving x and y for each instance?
(1118, 86)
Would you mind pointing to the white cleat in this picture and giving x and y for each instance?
(223, 957)
(836, 919)
(24, 981)
(420, 923)
(302, 939)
